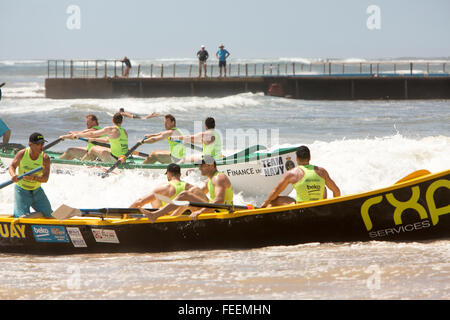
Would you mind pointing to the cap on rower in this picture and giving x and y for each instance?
(37, 138)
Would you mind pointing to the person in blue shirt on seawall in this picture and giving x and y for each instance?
(222, 55)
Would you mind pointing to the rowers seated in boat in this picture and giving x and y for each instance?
(309, 182)
(171, 189)
(115, 135)
(209, 140)
(80, 153)
(218, 186)
(176, 151)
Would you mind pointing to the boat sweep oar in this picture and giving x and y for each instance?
(7, 183)
(107, 145)
(413, 175)
(51, 144)
(65, 212)
(229, 207)
(123, 158)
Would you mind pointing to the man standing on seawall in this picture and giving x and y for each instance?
(202, 55)
(222, 55)
(127, 66)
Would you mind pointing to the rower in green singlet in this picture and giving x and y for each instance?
(176, 151)
(171, 189)
(115, 135)
(309, 182)
(80, 152)
(218, 187)
(209, 139)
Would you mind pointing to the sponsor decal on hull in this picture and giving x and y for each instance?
(428, 214)
(76, 237)
(49, 233)
(105, 235)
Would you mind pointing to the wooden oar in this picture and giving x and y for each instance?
(51, 144)
(107, 145)
(123, 158)
(413, 175)
(229, 207)
(7, 183)
(66, 212)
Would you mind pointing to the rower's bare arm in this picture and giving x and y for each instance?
(285, 181)
(97, 133)
(330, 183)
(139, 203)
(157, 136)
(45, 170)
(101, 139)
(219, 191)
(14, 164)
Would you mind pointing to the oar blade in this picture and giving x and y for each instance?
(414, 175)
(65, 212)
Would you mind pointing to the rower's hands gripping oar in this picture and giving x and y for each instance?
(192, 146)
(7, 183)
(123, 158)
(228, 207)
(107, 145)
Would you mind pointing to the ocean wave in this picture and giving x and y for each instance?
(23, 90)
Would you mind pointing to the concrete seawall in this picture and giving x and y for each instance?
(346, 87)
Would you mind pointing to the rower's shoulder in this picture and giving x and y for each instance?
(221, 177)
(321, 171)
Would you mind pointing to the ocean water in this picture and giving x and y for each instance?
(364, 145)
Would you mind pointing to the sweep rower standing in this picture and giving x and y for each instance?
(28, 191)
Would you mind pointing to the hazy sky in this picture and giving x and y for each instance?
(38, 29)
